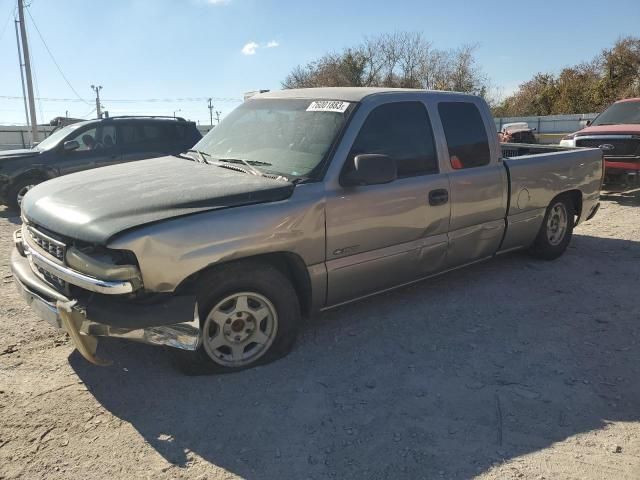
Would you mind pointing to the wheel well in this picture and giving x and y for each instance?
(36, 174)
(289, 264)
(576, 199)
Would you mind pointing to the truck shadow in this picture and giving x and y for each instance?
(623, 196)
(445, 378)
(11, 215)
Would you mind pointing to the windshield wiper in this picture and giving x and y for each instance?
(253, 170)
(232, 162)
(201, 156)
(250, 162)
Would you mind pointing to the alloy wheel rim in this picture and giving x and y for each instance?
(240, 329)
(557, 224)
(23, 191)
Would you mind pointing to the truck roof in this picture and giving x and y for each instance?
(135, 118)
(348, 94)
(636, 99)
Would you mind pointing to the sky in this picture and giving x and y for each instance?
(151, 55)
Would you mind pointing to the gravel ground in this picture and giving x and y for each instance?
(513, 368)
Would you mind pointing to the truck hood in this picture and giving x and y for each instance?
(95, 205)
(23, 152)
(625, 129)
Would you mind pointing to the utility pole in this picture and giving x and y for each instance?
(210, 106)
(97, 90)
(24, 93)
(218, 112)
(27, 69)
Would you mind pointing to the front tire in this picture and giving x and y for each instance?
(556, 230)
(249, 315)
(19, 190)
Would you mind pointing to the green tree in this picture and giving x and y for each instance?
(584, 88)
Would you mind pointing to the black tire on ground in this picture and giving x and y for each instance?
(553, 239)
(226, 281)
(16, 188)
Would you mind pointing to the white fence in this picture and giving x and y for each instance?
(551, 128)
(13, 136)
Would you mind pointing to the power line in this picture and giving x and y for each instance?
(87, 115)
(12, 13)
(54, 60)
(35, 78)
(133, 100)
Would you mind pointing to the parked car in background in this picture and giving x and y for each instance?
(91, 144)
(518, 132)
(616, 131)
(299, 201)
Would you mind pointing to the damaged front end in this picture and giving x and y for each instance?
(91, 291)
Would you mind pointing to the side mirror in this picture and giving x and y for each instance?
(371, 169)
(588, 122)
(70, 145)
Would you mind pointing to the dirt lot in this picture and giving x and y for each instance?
(514, 368)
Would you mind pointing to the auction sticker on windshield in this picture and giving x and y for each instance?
(328, 106)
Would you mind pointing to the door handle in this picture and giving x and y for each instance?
(438, 197)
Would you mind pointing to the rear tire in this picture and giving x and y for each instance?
(556, 229)
(249, 315)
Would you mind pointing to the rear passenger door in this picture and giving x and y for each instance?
(380, 236)
(478, 185)
(142, 140)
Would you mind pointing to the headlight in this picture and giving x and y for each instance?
(568, 140)
(103, 268)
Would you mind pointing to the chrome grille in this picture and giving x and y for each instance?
(50, 277)
(612, 147)
(49, 245)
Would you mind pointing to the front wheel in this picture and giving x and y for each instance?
(19, 190)
(249, 315)
(556, 230)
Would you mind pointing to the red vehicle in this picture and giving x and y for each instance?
(616, 131)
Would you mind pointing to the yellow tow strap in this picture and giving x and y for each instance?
(86, 344)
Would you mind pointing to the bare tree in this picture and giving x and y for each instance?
(402, 59)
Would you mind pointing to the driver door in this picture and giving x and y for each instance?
(92, 151)
(381, 236)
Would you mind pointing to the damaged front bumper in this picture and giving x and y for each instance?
(172, 321)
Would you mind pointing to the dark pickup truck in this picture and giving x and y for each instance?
(91, 144)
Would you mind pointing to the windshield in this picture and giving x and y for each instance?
(290, 137)
(52, 140)
(619, 114)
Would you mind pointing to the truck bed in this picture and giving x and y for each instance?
(537, 174)
(511, 150)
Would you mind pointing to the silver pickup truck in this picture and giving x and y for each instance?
(299, 201)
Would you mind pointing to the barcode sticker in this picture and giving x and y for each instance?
(328, 106)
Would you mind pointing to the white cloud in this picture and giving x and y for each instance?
(250, 48)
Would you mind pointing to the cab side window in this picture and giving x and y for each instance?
(153, 133)
(141, 134)
(465, 133)
(402, 131)
(97, 138)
